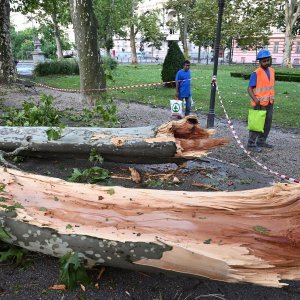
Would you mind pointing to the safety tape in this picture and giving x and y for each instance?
(214, 81)
(230, 124)
(103, 89)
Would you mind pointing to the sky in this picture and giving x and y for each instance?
(20, 21)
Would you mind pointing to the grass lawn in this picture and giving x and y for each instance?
(233, 90)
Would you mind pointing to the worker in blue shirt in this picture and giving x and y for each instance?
(183, 86)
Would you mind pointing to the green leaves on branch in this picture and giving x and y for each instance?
(55, 133)
(43, 114)
(90, 175)
(95, 157)
(12, 253)
(71, 271)
(3, 234)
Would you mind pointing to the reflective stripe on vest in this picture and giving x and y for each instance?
(264, 90)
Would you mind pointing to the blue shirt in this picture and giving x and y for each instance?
(253, 77)
(184, 89)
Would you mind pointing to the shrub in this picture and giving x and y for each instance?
(64, 67)
(172, 64)
(246, 76)
(280, 76)
(288, 77)
(235, 74)
(109, 63)
(69, 66)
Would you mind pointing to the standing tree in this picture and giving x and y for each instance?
(184, 14)
(133, 24)
(249, 25)
(92, 77)
(111, 16)
(150, 29)
(50, 13)
(291, 21)
(172, 64)
(147, 24)
(7, 66)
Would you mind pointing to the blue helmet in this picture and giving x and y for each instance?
(263, 53)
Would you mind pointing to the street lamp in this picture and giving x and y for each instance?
(211, 113)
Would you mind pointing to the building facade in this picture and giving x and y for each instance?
(122, 48)
(276, 47)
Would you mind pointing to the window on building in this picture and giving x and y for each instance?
(243, 60)
(276, 47)
(274, 60)
(298, 47)
(296, 61)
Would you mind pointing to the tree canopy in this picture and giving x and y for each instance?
(48, 13)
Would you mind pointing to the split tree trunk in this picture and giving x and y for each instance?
(171, 141)
(246, 236)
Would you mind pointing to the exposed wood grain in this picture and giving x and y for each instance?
(243, 236)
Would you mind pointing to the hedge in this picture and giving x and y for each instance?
(68, 66)
(280, 76)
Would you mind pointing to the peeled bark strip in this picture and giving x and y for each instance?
(245, 236)
(176, 139)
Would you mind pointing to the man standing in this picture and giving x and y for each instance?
(183, 86)
(261, 91)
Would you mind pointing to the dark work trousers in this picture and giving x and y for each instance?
(188, 104)
(261, 137)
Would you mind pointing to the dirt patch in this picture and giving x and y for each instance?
(227, 168)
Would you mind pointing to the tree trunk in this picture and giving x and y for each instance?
(92, 77)
(184, 35)
(59, 52)
(292, 12)
(7, 65)
(288, 42)
(133, 46)
(175, 140)
(108, 52)
(246, 236)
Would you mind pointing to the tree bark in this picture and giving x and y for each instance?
(184, 35)
(92, 77)
(292, 12)
(7, 65)
(133, 46)
(172, 141)
(59, 52)
(245, 236)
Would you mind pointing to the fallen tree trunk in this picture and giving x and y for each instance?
(171, 141)
(246, 236)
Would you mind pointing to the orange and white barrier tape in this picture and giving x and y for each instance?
(103, 89)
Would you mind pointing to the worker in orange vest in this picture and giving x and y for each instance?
(261, 91)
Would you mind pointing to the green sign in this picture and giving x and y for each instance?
(176, 107)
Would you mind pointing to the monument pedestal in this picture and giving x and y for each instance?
(38, 55)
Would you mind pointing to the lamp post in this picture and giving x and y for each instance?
(211, 113)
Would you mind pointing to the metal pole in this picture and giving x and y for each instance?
(211, 113)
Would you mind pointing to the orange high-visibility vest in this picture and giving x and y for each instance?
(264, 90)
